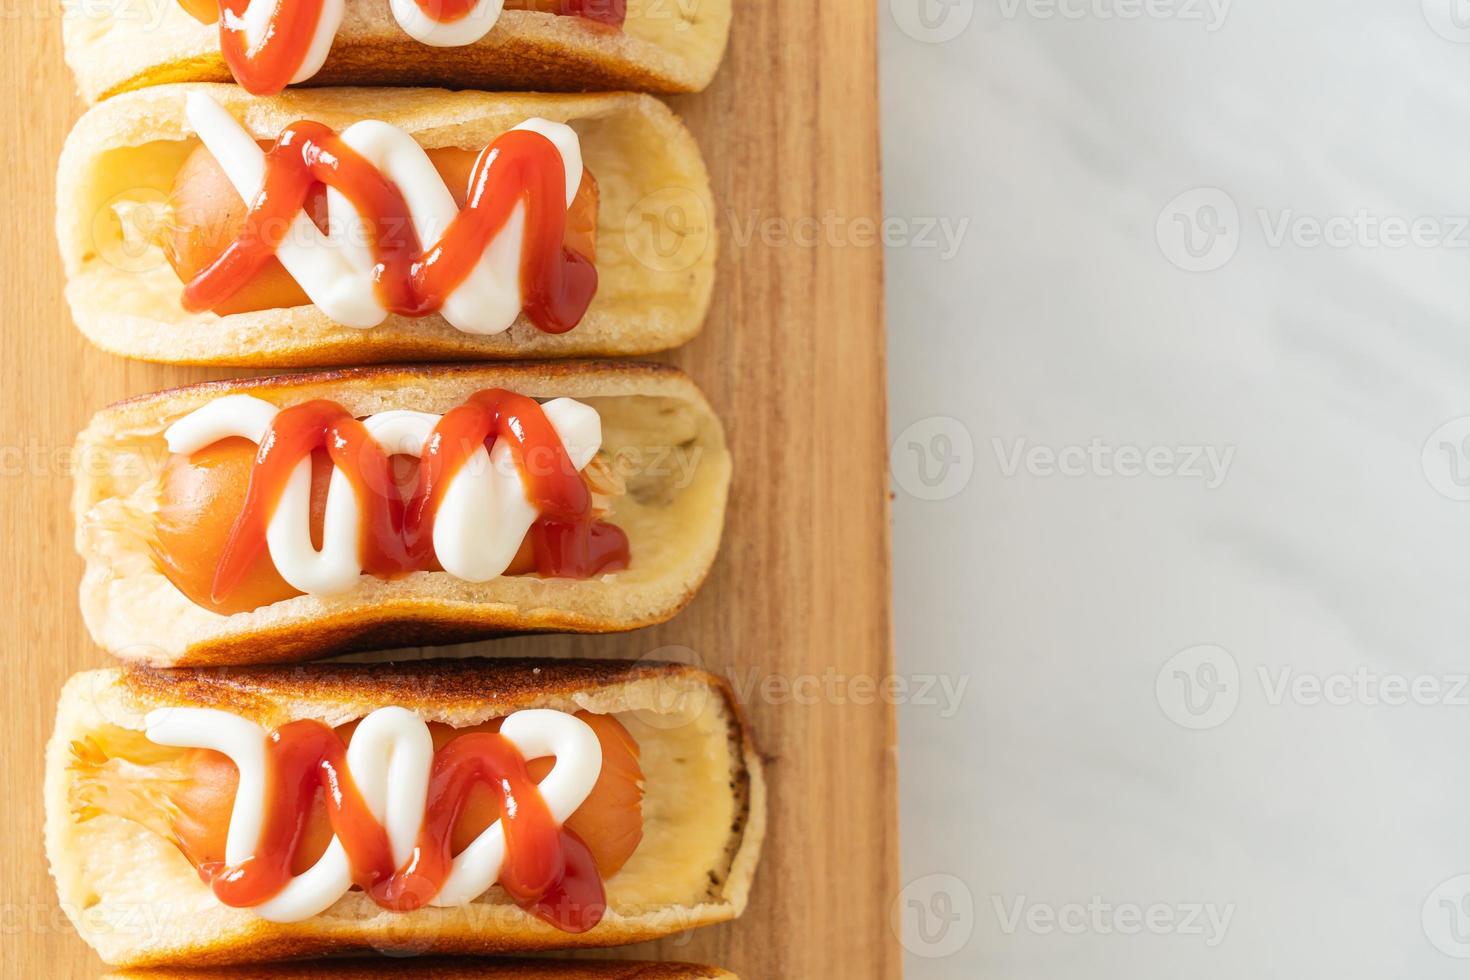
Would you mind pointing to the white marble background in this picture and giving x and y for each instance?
(1289, 796)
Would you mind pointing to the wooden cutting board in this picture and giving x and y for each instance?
(793, 359)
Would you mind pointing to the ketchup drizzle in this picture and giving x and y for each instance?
(552, 483)
(267, 69)
(294, 434)
(397, 535)
(609, 12)
(547, 870)
(520, 166)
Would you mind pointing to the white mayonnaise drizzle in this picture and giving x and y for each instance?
(482, 518)
(417, 24)
(446, 34)
(335, 270)
(389, 756)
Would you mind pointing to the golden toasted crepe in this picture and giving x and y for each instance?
(664, 46)
(438, 968)
(655, 237)
(657, 429)
(135, 899)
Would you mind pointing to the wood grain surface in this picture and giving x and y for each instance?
(797, 608)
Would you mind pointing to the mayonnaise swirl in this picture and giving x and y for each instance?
(425, 28)
(481, 520)
(389, 757)
(415, 21)
(336, 269)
